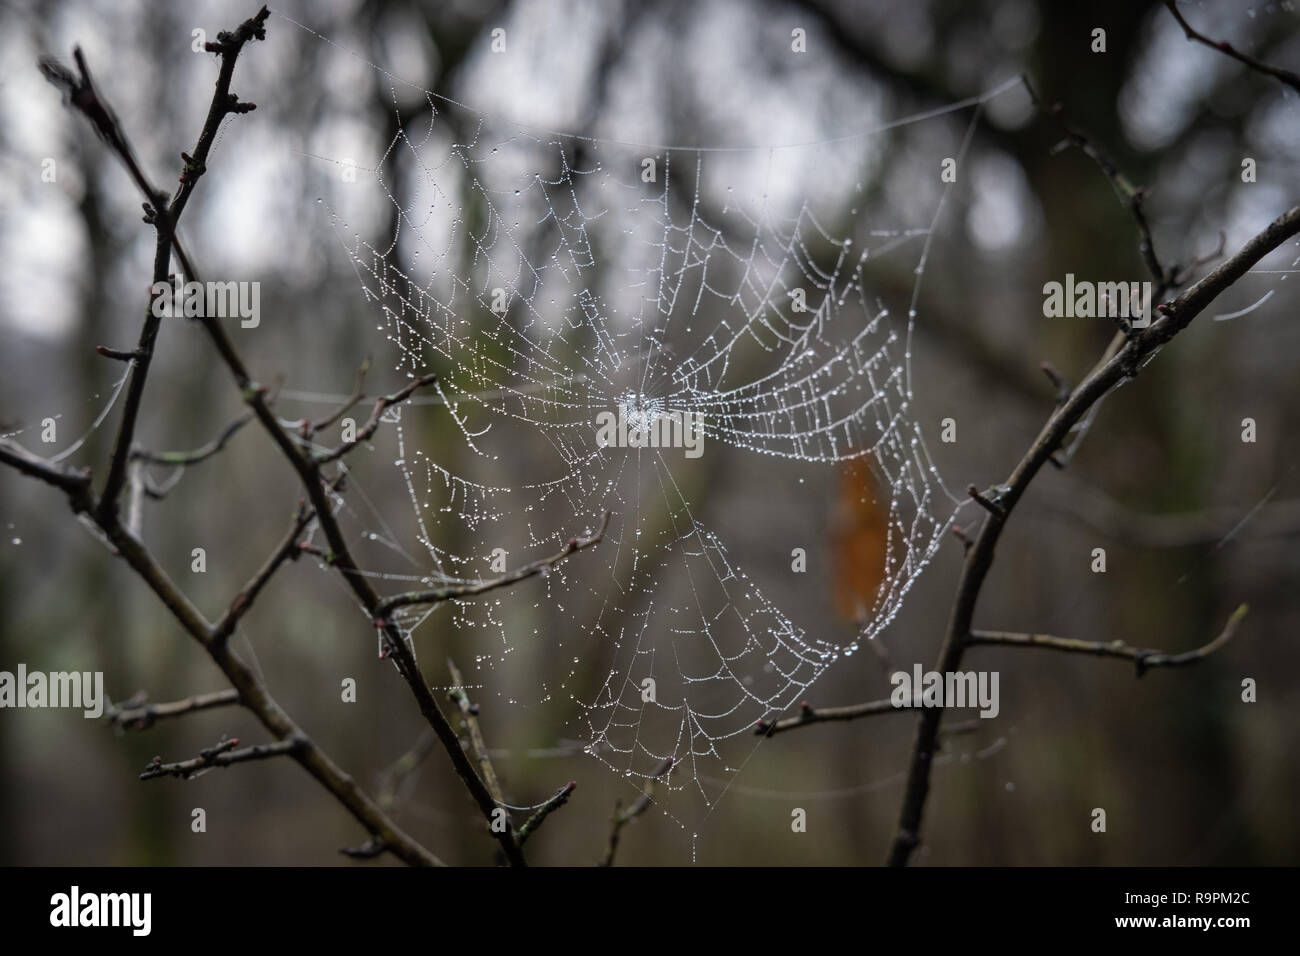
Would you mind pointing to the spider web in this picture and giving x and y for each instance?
(550, 278)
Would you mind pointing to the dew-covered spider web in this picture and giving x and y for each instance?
(739, 313)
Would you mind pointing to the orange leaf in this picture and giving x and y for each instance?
(859, 532)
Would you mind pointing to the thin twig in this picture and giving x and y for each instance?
(1143, 658)
(988, 504)
(1182, 275)
(1058, 381)
(469, 714)
(810, 715)
(545, 810)
(963, 535)
(382, 405)
(185, 458)
(227, 46)
(287, 550)
(1285, 76)
(1164, 279)
(1130, 195)
(340, 555)
(81, 94)
(470, 589)
(222, 754)
(357, 395)
(395, 774)
(642, 803)
(76, 484)
(815, 715)
(117, 354)
(137, 714)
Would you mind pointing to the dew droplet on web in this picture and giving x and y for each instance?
(585, 312)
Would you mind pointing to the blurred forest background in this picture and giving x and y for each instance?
(1188, 774)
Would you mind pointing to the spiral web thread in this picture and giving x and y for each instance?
(548, 279)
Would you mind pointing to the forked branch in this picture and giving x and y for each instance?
(248, 688)
(1174, 317)
(372, 424)
(473, 588)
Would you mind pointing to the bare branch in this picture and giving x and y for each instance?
(393, 776)
(185, 458)
(382, 405)
(117, 354)
(815, 715)
(222, 754)
(311, 428)
(1165, 279)
(469, 713)
(1189, 270)
(623, 817)
(1130, 195)
(137, 714)
(255, 697)
(75, 484)
(1174, 318)
(224, 103)
(1143, 658)
(340, 557)
(545, 810)
(1284, 76)
(287, 550)
(447, 593)
(80, 93)
(252, 693)
(963, 535)
(1058, 381)
(227, 46)
(982, 499)
(809, 715)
